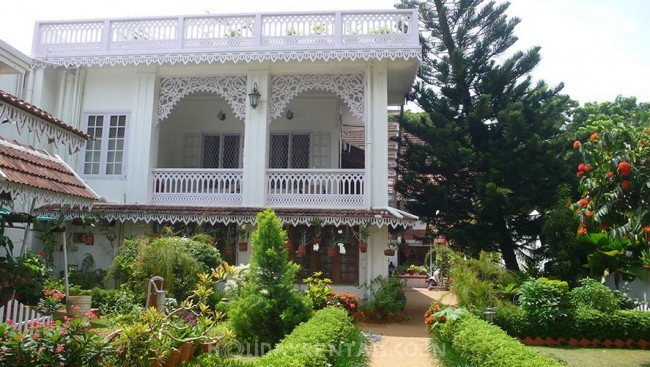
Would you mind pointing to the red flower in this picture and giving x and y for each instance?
(610, 174)
(41, 254)
(593, 136)
(584, 202)
(625, 168)
(625, 184)
(590, 214)
(582, 230)
(588, 168)
(576, 144)
(646, 229)
(581, 167)
(604, 227)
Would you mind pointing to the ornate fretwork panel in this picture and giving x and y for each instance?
(231, 88)
(350, 87)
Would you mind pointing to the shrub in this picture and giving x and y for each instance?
(349, 302)
(594, 295)
(319, 290)
(113, 301)
(545, 301)
(314, 343)
(476, 281)
(481, 344)
(207, 255)
(581, 323)
(269, 306)
(387, 301)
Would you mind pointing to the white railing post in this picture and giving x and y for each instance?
(257, 31)
(106, 35)
(180, 33)
(338, 29)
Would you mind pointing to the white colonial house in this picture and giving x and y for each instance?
(206, 120)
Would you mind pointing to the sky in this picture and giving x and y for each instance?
(598, 48)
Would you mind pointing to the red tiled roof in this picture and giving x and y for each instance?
(40, 113)
(24, 165)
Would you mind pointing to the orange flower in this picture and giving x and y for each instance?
(625, 184)
(593, 136)
(590, 214)
(576, 144)
(625, 168)
(604, 227)
(581, 167)
(584, 202)
(646, 229)
(582, 230)
(588, 168)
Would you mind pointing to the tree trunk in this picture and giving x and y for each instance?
(507, 245)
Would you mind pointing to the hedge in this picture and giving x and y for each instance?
(313, 343)
(579, 323)
(482, 344)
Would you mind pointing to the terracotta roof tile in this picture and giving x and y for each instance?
(40, 113)
(24, 165)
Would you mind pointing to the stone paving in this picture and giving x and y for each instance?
(406, 343)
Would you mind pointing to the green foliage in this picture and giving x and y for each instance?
(170, 257)
(489, 135)
(581, 323)
(86, 276)
(545, 301)
(71, 343)
(313, 343)
(113, 301)
(614, 186)
(476, 281)
(25, 275)
(386, 300)
(561, 249)
(319, 290)
(478, 343)
(205, 253)
(269, 306)
(594, 295)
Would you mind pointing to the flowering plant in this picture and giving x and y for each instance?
(50, 302)
(350, 302)
(438, 317)
(55, 343)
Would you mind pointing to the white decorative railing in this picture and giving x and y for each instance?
(348, 30)
(192, 187)
(316, 188)
(20, 315)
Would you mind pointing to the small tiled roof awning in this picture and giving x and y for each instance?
(25, 115)
(185, 214)
(32, 173)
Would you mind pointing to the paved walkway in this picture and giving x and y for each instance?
(406, 343)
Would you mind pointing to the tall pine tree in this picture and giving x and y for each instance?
(486, 152)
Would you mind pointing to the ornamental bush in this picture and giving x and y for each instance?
(269, 306)
(545, 301)
(594, 295)
(474, 342)
(387, 299)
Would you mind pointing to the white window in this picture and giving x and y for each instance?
(289, 151)
(104, 156)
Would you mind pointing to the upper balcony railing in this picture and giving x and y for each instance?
(341, 30)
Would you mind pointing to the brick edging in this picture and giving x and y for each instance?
(584, 342)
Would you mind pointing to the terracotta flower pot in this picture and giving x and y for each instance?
(174, 356)
(315, 240)
(227, 251)
(208, 347)
(155, 362)
(301, 251)
(186, 353)
(90, 239)
(332, 251)
(389, 252)
(243, 246)
(289, 246)
(363, 246)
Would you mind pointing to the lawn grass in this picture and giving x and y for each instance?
(596, 357)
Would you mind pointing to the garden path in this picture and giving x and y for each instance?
(406, 343)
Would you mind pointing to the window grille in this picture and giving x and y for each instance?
(289, 151)
(222, 151)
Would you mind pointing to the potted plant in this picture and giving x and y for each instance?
(334, 241)
(242, 234)
(302, 243)
(229, 240)
(392, 247)
(645, 259)
(317, 223)
(362, 236)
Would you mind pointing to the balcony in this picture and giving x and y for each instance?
(270, 36)
(285, 188)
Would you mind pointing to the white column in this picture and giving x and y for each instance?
(142, 136)
(255, 141)
(376, 153)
